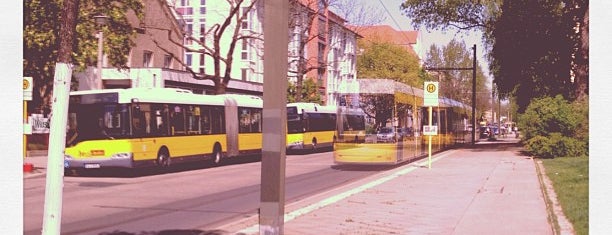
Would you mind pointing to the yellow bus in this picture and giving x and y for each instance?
(310, 126)
(140, 127)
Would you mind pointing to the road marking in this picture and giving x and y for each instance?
(336, 198)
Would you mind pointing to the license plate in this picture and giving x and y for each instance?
(90, 166)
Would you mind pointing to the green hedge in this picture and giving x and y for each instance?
(554, 127)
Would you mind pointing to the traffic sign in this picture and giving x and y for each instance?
(430, 94)
(430, 130)
(28, 86)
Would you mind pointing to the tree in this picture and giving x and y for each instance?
(303, 14)
(41, 29)
(388, 61)
(457, 84)
(310, 92)
(219, 42)
(523, 65)
(304, 22)
(514, 31)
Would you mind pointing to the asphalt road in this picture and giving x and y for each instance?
(187, 197)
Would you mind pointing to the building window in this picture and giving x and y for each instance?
(188, 58)
(202, 32)
(202, 10)
(147, 59)
(167, 61)
(201, 70)
(245, 74)
(189, 28)
(201, 59)
(245, 49)
(320, 52)
(245, 21)
(185, 2)
(202, 2)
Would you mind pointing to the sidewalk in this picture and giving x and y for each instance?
(488, 189)
(38, 159)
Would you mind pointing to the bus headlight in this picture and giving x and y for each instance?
(296, 143)
(121, 156)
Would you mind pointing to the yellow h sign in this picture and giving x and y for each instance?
(430, 94)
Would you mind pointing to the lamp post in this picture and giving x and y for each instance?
(101, 20)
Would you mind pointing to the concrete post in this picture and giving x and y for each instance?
(276, 40)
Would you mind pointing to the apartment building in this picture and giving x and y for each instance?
(147, 58)
(318, 38)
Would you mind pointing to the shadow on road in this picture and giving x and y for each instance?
(170, 232)
(142, 172)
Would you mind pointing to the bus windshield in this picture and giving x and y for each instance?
(96, 122)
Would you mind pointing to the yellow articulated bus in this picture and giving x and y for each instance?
(140, 127)
(310, 126)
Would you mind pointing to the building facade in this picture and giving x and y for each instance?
(319, 40)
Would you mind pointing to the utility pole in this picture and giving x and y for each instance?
(276, 42)
(473, 68)
(52, 219)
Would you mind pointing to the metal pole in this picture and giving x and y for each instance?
(276, 42)
(474, 97)
(430, 110)
(52, 218)
(98, 82)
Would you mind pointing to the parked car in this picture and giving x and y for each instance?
(404, 132)
(387, 135)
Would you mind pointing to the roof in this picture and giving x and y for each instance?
(388, 34)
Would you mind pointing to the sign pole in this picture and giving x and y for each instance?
(430, 99)
(430, 110)
(25, 121)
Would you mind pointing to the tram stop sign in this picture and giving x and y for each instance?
(430, 94)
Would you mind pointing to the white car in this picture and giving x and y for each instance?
(387, 135)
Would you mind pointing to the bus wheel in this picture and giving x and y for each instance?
(163, 159)
(217, 155)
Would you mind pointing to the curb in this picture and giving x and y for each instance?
(558, 221)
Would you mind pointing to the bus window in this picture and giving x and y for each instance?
(205, 120)
(217, 115)
(177, 115)
(159, 124)
(193, 119)
(244, 120)
(138, 121)
(256, 120)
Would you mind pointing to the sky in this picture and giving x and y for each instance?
(395, 19)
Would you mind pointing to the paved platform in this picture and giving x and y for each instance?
(490, 188)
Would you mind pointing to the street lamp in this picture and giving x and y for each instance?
(100, 20)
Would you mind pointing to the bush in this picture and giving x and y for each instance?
(553, 127)
(556, 145)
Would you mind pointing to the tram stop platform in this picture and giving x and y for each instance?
(486, 188)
